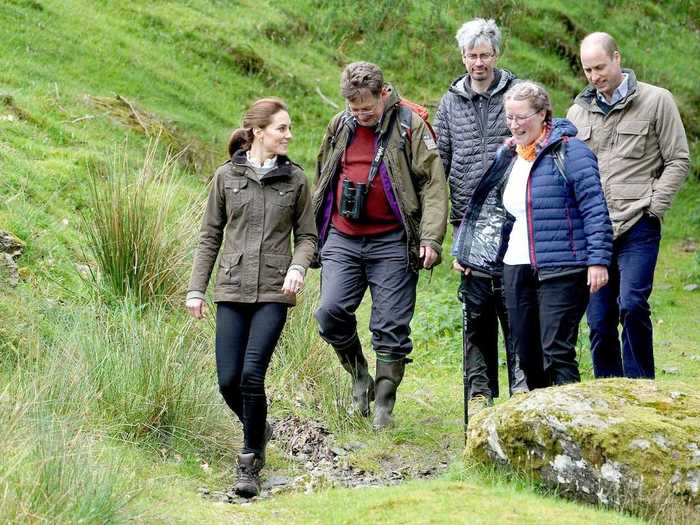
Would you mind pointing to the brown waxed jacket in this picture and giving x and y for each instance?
(415, 173)
(641, 147)
(256, 219)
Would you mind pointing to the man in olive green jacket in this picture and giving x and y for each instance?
(380, 203)
(636, 132)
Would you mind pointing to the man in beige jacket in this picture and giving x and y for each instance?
(636, 131)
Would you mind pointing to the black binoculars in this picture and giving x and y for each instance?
(352, 199)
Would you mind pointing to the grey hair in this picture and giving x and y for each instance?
(360, 76)
(535, 94)
(479, 31)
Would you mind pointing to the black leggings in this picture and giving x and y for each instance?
(246, 335)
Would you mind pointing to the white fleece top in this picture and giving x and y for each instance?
(514, 199)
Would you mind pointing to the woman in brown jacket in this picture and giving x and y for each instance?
(259, 200)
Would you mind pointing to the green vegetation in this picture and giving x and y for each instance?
(109, 407)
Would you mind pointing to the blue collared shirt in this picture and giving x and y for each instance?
(619, 93)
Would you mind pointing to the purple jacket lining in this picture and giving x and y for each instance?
(388, 191)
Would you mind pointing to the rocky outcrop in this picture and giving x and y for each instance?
(10, 249)
(627, 444)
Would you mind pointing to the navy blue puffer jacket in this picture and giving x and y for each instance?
(568, 222)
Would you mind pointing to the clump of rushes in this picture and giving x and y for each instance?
(138, 230)
(51, 473)
(150, 377)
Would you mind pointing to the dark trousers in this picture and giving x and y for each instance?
(625, 301)
(349, 265)
(246, 335)
(544, 316)
(483, 308)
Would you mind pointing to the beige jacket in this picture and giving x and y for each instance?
(641, 147)
(256, 220)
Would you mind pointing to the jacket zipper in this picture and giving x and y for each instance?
(570, 226)
(530, 222)
(390, 162)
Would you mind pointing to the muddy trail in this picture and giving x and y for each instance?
(322, 463)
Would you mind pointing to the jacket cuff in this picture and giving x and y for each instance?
(299, 268)
(432, 244)
(194, 294)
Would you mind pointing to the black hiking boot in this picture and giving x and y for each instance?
(248, 475)
(389, 376)
(354, 362)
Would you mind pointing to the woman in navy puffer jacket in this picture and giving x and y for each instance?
(560, 244)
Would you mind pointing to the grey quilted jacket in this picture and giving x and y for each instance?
(467, 142)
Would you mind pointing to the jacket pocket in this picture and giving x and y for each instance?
(229, 270)
(238, 194)
(631, 138)
(283, 194)
(628, 199)
(584, 133)
(273, 271)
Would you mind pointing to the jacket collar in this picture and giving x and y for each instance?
(561, 129)
(586, 98)
(460, 87)
(283, 169)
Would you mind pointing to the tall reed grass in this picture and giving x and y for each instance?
(138, 229)
(147, 377)
(53, 473)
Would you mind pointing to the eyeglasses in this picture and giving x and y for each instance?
(519, 119)
(484, 57)
(364, 111)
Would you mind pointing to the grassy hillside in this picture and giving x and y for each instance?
(109, 406)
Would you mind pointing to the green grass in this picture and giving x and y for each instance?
(110, 412)
(431, 502)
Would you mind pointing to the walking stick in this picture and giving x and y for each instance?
(465, 373)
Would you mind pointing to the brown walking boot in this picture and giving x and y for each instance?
(248, 475)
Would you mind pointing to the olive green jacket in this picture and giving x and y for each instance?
(641, 147)
(414, 170)
(255, 218)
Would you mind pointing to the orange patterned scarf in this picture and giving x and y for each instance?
(530, 151)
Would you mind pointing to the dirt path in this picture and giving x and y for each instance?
(324, 463)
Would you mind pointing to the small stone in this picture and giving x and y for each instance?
(671, 370)
(641, 444)
(339, 451)
(663, 286)
(691, 287)
(676, 395)
(358, 445)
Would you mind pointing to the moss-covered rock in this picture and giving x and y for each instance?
(628, 444)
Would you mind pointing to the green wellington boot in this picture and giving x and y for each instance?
(388, 379)
(354, 362)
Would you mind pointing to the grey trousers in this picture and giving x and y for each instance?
(349, 265)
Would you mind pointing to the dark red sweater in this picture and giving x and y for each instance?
(377, 216)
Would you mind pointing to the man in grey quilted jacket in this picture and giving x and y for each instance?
(471, 125)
